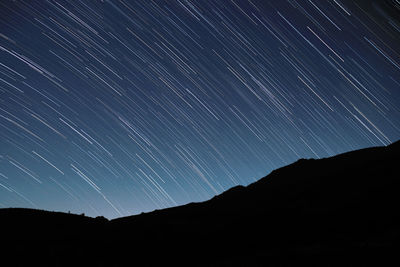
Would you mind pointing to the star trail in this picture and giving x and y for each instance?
(119, 107)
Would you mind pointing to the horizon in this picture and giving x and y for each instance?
(129, 215)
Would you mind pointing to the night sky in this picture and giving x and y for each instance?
(118, 107)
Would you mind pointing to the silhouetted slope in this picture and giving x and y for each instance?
(341, 210)
(40, 224)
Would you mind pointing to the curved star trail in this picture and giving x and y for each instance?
(117, 107)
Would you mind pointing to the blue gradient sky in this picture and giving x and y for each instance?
(117, 107)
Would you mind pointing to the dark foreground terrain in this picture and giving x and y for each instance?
(338, 211)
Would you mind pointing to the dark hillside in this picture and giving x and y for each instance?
(341, 210)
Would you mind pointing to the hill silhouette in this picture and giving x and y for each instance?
(337, 211)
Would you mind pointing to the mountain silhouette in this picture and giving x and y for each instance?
(337, 211)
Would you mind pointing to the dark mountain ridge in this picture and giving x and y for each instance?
(341, 210)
